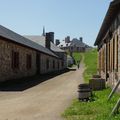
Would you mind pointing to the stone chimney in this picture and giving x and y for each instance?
(57, 42)
(51, 36)
(81, 39)
(67, 39)
(47, 41)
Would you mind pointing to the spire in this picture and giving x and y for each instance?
(43, 34)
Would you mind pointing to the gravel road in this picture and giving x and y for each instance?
(45, 101)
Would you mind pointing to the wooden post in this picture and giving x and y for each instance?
(115, 109)
(113, 90)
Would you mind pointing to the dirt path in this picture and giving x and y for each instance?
(45, 101)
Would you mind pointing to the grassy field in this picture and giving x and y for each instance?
(90, 60)
(77, 56)
(99, 108)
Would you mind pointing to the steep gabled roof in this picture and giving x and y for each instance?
(14, 37)
(77, 43)
(41, 40)
(113, 9)
(74, 42)
(55, 48)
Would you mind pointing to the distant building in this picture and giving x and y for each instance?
(76, 45)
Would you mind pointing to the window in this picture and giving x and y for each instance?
(62, 63)
(108, 56)
(71, 48)
(117, 54)
(15, 60)
(103, 59)
(28, 61)
(113, 55)
(47, 64)
(77, 48)
(58, 65)
(53, 64)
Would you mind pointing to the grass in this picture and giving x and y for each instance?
(77, 56)
(90, 60)
(99, 109)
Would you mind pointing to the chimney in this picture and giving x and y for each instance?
(47, 40)
(67, 39)
(81, 39)
(51, 36)
(57, 42)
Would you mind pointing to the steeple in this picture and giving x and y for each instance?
(43, 34)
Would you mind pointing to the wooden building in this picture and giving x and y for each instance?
(108, 42)
(21, 57)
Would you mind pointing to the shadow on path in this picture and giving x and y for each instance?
(28, 82)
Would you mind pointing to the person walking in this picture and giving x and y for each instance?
(78, 64)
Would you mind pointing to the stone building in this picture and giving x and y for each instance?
(48, 42)
(75, 45)
(21, 57)
(108, 42)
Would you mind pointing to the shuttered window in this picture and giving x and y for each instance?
(108, 58)
(117, 54)
(53, 64)
(99, 60)
(28, 61)
(62, 63)
(15, 60)
(47, 64)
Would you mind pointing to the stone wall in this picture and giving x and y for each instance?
(43, 64)
(6, 70)
(63, 57)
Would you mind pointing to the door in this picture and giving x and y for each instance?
(38, 63)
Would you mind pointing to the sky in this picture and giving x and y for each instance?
(74, 18)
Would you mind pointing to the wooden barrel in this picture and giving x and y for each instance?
(97, 83)
(84, 92)
(96, 76)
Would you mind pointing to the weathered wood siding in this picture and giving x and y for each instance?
(109, 54)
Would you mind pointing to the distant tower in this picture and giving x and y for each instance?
(43, 34)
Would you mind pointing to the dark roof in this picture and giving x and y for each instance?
(77, 43)
(41, 40)
(113, 9)
(14, 37)
(55, 48)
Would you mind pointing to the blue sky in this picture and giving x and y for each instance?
(76, 18)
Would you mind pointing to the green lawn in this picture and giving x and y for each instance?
(100, 108)
(77, 56)
(90, 60)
